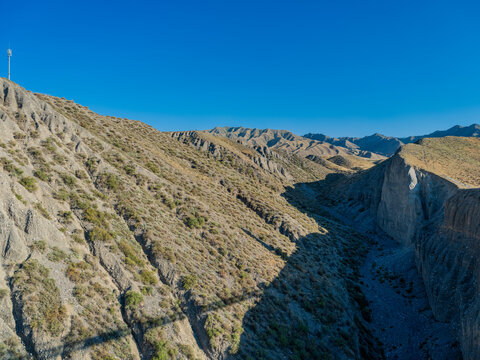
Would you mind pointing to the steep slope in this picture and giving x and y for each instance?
(426, 198)
(286, 141)
(119, 241)
(387, 146)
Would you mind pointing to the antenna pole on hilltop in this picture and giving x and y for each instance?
(9, 54)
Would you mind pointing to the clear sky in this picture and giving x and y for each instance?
(338, 67)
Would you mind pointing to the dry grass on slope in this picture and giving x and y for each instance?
(223, 239)
(454, 158)
(351, 162)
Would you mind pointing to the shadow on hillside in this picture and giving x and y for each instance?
(303, 313)
(118, 333)
(298, 312)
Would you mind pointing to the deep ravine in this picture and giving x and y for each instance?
(402, 320)
(401, 316)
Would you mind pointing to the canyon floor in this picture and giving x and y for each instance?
(401, 317)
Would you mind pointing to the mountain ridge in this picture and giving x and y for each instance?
(388, 145)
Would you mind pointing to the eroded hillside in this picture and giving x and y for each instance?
(291, 143)
(121, 242)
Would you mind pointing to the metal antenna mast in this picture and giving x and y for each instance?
(9, 54)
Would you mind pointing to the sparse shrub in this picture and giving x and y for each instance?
(189, 281)
(77, 202)
(163, 350)
(39, 246)
(213, 328)
(59, 159)
(153, 168)
(80, 174)
(131, 257)
(96, 217)
(148, 277)
(68, 180)
(99, 234)
(29, 183)
(78, 239)
(92, 165)
(57, 255)
(129, 169)
(20, 198)
(133, 299)
(42, 210)
(66, 216)
(195, 221)
(41, 298)
(79, 272)
(61, 194)
(3, 293)
(18, 135)
(49, 144)
(110, 181)
(42, 175)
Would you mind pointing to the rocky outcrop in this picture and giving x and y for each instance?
(263, 157)
(410, 198)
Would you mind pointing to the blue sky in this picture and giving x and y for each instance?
(336, 67)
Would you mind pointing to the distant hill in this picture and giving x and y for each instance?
(463, 131)
(289, 142)
(387, 146)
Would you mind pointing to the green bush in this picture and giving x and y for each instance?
(189, 281)
(99, 234)
(3, 293)
(148, 277)
(131, 257)
(42, 175)
(92, 165)
(110, 181)
(133, 299)
(29, 183)
(96, 217)
(129, 169)
(195, 221)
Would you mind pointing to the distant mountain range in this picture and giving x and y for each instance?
(289, 142)
(386, 145)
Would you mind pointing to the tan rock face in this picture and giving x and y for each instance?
(410, 197)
